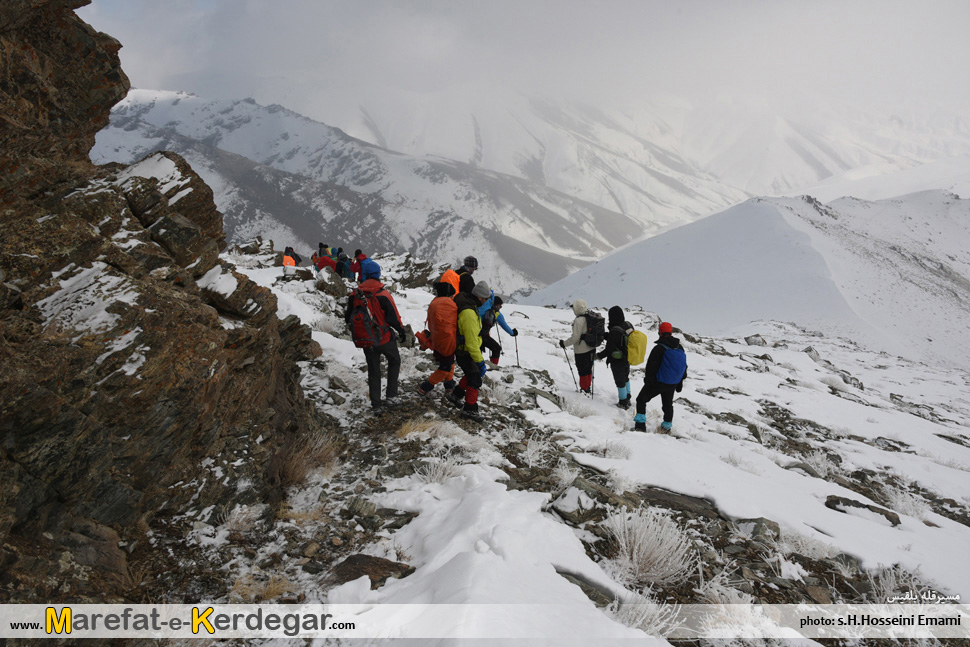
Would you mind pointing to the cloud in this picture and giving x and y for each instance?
(295, 51)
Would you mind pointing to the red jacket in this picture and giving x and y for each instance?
(325, 261)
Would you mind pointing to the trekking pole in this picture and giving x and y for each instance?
(516, 338)
(571, 369)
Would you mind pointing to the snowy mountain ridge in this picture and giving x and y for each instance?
(894, 274)
(313, 181)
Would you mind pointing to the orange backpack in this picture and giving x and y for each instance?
(443, 324)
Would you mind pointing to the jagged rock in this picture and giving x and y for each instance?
(599, 595)
(113, 354)
(805, 467)
(694, 506)
(329, 283)
(605, 495)
(840, 503)
(755, 340)
(552, 397)
(819, 594)
(760, 529)
(376, 569)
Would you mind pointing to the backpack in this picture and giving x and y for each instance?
(636, 347)
(595, 329)
(488, 319)
(672, 365)
(443, 325)
(367, 326)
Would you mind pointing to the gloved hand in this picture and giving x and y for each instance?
(562, 343)
(402, 336)
(482, 369)
(680, 387)
(515, 332)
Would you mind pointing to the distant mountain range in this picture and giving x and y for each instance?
(892, 274)
(540, 190)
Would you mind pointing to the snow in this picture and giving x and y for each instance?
(476, 542)
(81, 302)
(893, 274)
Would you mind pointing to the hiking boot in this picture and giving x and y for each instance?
(377, 409)
(665, 427)
(472, 414)
(393, 401)
(623, 404)
(491, 365)
(639, 426)
(455, 399)
(422, 392)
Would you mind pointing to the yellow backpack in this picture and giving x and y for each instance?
(636, 347)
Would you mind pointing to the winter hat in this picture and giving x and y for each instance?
(666, 328)
(481, 290)
(341, 256)
(471, 262)
(615, 316)
(498, 302)
(444, 289)
(357, 253)
(466, 283)
(579, 307)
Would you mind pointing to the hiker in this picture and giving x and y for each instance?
(665, 373)
(355, 265)
(468, 266)
(342, 267)
(323, 260)
(469, 351)
(371, 315)
(290, 260)
(615, 354)
(492, 316)
(442, 338)
(584, 351)
(322, 250)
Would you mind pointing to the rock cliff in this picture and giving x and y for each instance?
(140, 376)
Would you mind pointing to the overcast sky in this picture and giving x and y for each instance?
(286, 51)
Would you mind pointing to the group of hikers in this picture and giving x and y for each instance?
(664, 373)
(459, 323)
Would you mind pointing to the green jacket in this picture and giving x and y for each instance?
(469, 326)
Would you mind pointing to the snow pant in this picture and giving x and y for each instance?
(445, 373)
(493, 347)
(373, 357)
(649, 392)
(471, 381)
(584, 366)
(621, 377)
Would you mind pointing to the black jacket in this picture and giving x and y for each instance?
(615, 341)
(656, 356)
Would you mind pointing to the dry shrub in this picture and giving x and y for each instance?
(299, 456)
(651, 548)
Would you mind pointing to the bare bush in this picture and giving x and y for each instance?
(440, 470)
(242, 518)
(643, 613)
(904, 502)
(298, 457)
(651, 549)
(562, 477)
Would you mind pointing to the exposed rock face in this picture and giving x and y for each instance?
(141, 379)
(59, 79)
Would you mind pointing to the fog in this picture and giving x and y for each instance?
(320, 56)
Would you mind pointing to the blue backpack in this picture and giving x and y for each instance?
(672, 365)
(369, 269)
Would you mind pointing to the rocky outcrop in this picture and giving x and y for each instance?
(59, 79)
(143, 381)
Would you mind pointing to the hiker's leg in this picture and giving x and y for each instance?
(467, 367)
(445, 371)
(373, 375)
(584, 366)
(393, 355)
(494, 350)
(647, 393)
(667, 403)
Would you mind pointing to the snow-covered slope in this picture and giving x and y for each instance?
(894, 273)
(277, 173)
(772, 433)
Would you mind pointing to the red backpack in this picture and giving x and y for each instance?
(367, 325)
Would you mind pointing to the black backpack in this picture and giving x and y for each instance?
(595, 329)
